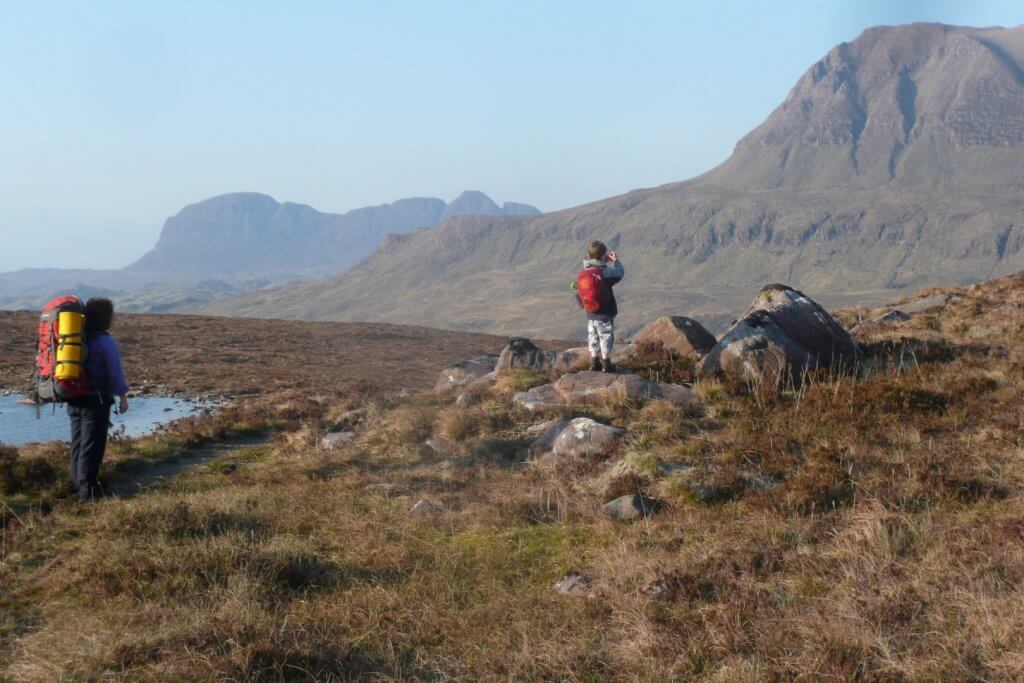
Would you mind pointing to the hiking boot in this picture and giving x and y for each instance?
(607, 365)
(595, 364)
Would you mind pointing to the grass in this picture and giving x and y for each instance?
(865, 527)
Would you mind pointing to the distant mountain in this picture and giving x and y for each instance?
(246, 234)
(896, 161)
(475, 203)
(234, 243)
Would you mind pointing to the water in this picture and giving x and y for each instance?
(19, 425)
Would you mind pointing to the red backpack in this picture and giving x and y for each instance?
(592, 290)
(61, 353)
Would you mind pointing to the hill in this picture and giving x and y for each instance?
(234, 243)
(869, 526)
(894, 162)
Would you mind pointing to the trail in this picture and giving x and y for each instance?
(130, 481)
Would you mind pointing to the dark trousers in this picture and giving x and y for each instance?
(90, 420)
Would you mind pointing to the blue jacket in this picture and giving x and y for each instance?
(103, 365)
(613, 272)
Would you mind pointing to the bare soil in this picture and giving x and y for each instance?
(211, 355)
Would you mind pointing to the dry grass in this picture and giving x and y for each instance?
(863, 528)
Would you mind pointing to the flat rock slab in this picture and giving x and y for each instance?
(925, 303)
(630, 507)
(579, 388)
(578, 356)
(464, 373)
(679, 334)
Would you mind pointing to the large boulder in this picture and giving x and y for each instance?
(466, 372)
(580, 438)
(682, 335)
(521, 353)
(586, 438)
(580, 388)
(781, 338)
(630, 507)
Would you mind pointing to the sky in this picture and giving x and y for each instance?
(115, 115)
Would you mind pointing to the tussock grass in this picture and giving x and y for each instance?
(868, 526)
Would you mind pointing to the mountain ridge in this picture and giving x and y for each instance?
(796, 201)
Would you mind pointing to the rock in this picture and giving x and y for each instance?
(332, 440)
(625, 508)
(544, 396)
(888, 318)
(579, 357)
(586, 438)
(782, 337)
(925, 303)
(426, 508)
(546, 440)
(523, 354)
(685, 336)
(462, 374)
(579, 388)
(573, 583)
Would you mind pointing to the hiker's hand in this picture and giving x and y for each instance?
(612, 256)
(122, 406)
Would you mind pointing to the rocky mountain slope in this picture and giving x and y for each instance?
(894, 162)
(234, 243)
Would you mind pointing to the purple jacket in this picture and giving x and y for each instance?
(103, 365)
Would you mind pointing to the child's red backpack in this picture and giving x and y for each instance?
(592, 290)
(61, 352)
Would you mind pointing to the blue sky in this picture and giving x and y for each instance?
(117, 114)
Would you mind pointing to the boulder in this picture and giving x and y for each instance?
(579, 388)
(626, 508)
(523, 354)
(586, 438)
(783, 336)
(682, 335)
(464, 373)
(546, 440)
(333, 440)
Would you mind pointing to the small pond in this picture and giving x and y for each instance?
(20, 424)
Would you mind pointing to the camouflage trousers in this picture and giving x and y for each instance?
(601, 337)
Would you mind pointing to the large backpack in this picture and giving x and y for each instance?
(592, 289)
(61, 352)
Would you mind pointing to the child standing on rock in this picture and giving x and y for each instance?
(602, 270)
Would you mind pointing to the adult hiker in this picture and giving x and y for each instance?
(602, 270)
(90, 414)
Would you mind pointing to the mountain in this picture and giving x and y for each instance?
(896, 161)
(475, 203)
(246, 234)
(234, 243)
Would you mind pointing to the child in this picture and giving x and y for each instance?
(602, 270)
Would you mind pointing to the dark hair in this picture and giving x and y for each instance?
(99, 313)
(597, 250)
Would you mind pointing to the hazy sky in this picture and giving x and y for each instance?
(114, 115)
